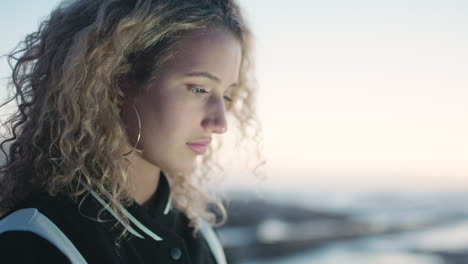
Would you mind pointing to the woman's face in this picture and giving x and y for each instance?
(185, 104)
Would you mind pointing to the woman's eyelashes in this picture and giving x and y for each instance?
(199, 90)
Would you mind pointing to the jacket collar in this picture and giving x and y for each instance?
(161, 207)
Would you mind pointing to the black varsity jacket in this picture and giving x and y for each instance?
(159, 235)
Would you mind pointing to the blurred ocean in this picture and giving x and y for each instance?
(363, 227)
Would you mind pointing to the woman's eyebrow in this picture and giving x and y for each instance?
(208, 75)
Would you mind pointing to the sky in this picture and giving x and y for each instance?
(357, 94)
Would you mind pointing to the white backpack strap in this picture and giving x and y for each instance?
(213, 242)
(30, 219)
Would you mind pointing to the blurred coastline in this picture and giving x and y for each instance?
(331, 228)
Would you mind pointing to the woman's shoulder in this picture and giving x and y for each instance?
(76, 220)
(26, 227)
(20, 246)
(60, 209)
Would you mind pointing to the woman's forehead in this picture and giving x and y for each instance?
(213, 52)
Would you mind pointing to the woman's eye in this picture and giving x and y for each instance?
(197, 90)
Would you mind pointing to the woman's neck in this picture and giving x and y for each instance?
(144, 176)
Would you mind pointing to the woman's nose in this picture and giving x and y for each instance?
(215, 120)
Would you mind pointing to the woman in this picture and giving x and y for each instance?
(118, 101)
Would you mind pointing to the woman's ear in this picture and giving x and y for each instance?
(128, 87)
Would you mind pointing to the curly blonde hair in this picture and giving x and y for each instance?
(68, 127)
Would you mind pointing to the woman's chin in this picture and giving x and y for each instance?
(181, 169)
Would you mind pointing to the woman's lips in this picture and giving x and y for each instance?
(198, 148)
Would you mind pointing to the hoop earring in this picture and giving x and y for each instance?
(139, 132)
